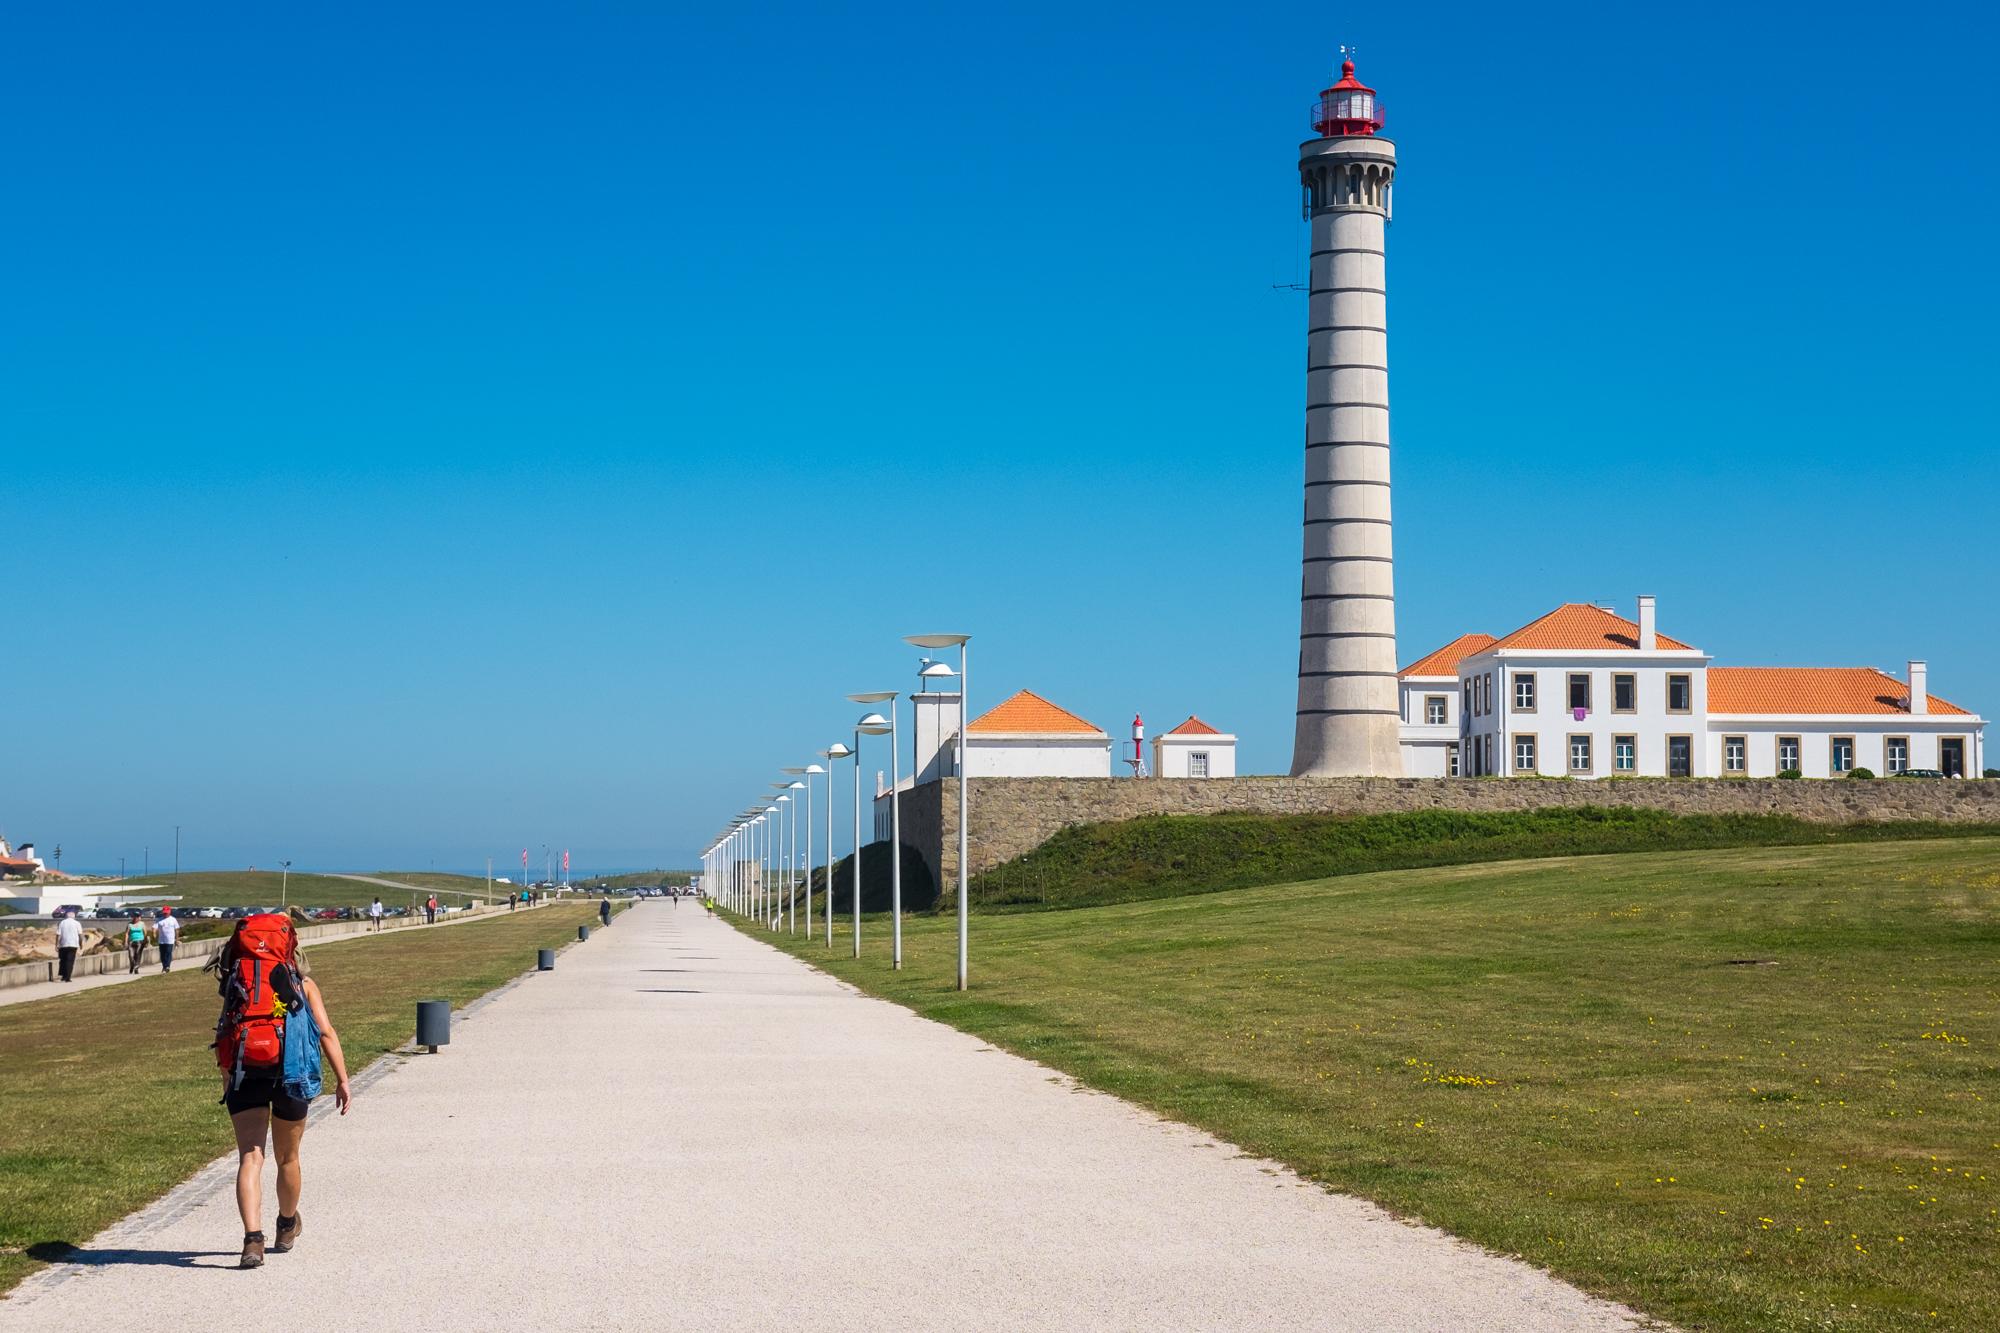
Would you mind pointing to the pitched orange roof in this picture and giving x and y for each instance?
(1804, 691)
(1030, 714)
(1444, 662)
(1580, 626)
(1194, 726)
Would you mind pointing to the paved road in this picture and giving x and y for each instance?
(683, 1128)
(48, 990)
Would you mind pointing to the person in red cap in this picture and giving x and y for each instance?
(166, 934)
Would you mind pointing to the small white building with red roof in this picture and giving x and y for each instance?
(1024, 736)
(1583, 692)
(1194, 750)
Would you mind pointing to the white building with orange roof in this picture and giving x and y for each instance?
(1583, 692)
(1026, 736)
(1194, 750)
(1428, 701)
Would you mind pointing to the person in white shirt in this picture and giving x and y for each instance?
(69, 938)
(375, 913)
(167, 933)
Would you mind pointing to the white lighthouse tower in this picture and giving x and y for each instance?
(1347, 717)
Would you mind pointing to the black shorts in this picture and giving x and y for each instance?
(264, 1090)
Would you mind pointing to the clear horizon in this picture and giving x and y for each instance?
(430, 435)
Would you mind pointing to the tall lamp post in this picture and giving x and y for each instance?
(779, 856)
(895, 814)
(790, 815)
(857, 838)
(792, 880)
(831, 754)
(959, 641)
(284, 884)
(808, 773)
(770, 862)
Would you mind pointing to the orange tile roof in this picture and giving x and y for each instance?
(1194, 726)
(1444, 662)
(1580, 626)
(1806, 691)
(1030, 714)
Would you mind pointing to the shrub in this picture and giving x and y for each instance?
(1860, 773)
(1791, 773)
(1991, 773)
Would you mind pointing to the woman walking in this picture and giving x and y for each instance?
(273, 1030)
(135, 942)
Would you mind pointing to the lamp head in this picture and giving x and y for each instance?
(815, 768)
(873, 725)
(838, 751)
(797, 786)
(872, 696)
(935, 640)
(791, 770)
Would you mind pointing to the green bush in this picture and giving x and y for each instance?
(1991, 773)
(1165, 856)
(1860, 773)
(1791, 773)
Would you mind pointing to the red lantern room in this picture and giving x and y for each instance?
(1349, 107)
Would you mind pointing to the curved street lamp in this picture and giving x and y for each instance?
(959, 641)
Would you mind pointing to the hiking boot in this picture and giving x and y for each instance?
(253, 1250)
(288, 1234)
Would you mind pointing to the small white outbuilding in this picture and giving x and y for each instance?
(1194, 750)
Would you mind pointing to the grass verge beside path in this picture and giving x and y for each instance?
(108, 1098)
(1750, 1089)
(1166, 856)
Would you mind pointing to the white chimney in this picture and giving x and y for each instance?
(1649, 637)
(1920, 689)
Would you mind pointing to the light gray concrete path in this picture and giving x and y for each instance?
(681, 1128)
(48, 990)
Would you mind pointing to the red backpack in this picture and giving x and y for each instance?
(258, 976)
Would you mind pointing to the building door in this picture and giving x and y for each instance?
(1680, 756)
(1951, 756)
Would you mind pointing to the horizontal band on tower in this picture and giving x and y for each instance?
(1383, 521)
(1311, 484)
(1324, 675)
(1380, 407)
(1346, 328)
(1334, 559)
(1347, 596)
(1346, 634)
(1347, 365)
(1348, 712)
(1334, 291)
(1348, 250)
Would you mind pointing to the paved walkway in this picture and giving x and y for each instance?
(682, 1128)
(48, 990)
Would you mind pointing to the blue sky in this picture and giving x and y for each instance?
(430, 431)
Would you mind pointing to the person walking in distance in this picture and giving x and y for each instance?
(604, 910)
(375, 913)
(431, 910)
(135, 943)
(271, 1037)
(69, 938)
(168, 933)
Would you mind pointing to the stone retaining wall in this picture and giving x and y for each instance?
(1011, 816)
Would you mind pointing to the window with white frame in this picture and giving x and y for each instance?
(1524, 691)
(1840, 754)
(1451, 761)
(1625, 754)
(1197, 763)
(1735, 754)
(1895, 754)
(1579, 754)
(1524, 754)
(1434, 709)
(1788, 754)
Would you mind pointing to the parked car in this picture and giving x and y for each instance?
(1919, 773)
(327, 914)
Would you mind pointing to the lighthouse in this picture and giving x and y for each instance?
(1347, 716)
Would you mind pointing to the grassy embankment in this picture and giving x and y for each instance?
(109, 1096)
(261, 888)
(1171, 855)
(1748, 1089)
(641, 879)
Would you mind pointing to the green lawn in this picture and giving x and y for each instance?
(1166, 856)
(108, 1097)
(1750, 1089)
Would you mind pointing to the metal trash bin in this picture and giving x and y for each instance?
(433, 1024)
(546, 961)
(583, 932)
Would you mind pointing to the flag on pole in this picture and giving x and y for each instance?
(565, 860)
